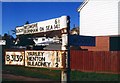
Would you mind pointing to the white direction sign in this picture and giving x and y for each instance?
(43, 26)
(43, 59)
(14, 58)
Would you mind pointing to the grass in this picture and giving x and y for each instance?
(33, 72)
(55, 74)
(90, 76)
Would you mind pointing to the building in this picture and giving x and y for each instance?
(2, 42)
(101, 18)
(74, 31)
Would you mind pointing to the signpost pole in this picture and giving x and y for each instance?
(65, 74)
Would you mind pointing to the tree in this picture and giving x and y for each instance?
(27, 22)
(9, 40)
(25, 40)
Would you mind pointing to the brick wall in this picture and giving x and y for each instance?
(102, 44)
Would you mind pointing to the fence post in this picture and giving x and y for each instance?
(65, 74)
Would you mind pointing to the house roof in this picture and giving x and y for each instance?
(82, 5)
(86, 1)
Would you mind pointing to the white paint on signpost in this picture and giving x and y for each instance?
(65, 74)
(64, 45)
(14, 58)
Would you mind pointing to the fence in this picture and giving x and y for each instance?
(95, 61)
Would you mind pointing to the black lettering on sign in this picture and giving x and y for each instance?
(47, 28)
(56, 21)
(39, 64)
(56, 64)
(51, 27)
(19, 30)
(35, 53)
(14, 58)
(7, 57)
(35, 58)
(41, 28)
(56, 26)
(21, 58)
(56, 60)
(59, 21)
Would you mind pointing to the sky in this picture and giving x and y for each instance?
(17, 13)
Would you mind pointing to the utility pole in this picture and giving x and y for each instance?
(65, 73)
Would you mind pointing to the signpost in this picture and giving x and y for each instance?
(65, 74)
(44, 59)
